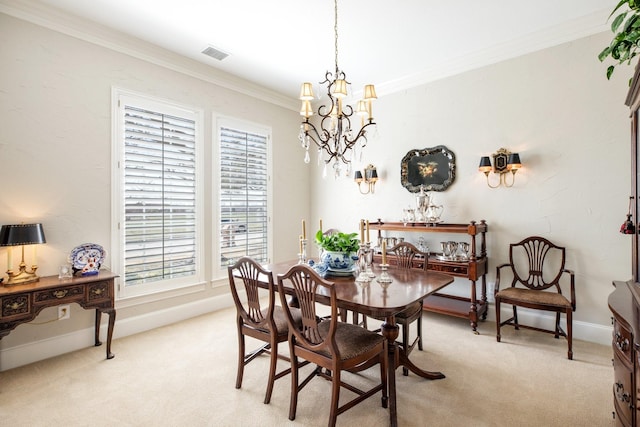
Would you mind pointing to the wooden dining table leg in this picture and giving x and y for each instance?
(390, 330)
(407, 363)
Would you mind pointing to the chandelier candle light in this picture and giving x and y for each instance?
(335, 134)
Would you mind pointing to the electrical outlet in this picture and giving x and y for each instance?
(64, 312)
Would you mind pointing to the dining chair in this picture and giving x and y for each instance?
(265, 323)
(333, 346)
(404, 255)
(537, 267)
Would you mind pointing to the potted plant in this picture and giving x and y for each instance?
(339, 250)
(626, 27)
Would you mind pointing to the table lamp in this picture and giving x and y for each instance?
(21, 235)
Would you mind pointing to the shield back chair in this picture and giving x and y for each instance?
(405, 258)
(333, 346)
(254, 319)
(537, 266)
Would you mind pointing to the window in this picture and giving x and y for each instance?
(244, 192)
(156, 196)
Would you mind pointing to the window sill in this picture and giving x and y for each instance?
(133, 301)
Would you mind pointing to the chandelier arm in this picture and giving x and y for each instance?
(328, 78)
(310, 133)
(331, 156)
(323, 143)
(347, 111)
(362, 133)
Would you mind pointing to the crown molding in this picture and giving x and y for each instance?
(56, 20)
(569, 31)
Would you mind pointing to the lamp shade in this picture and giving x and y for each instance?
(21, 234)
(306, 92)
(514, 161)
(485, 164)
(339, 88)
(372, 175)
(361, 108)
(357, 177)
(370, 93)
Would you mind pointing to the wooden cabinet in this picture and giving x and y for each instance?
(624, 302)
(472, 307)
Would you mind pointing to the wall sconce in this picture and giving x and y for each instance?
(503, 161)
(21, 235)
(370, 178)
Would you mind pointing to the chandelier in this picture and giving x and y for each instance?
(335, 135)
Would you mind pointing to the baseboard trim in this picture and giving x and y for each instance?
(21, 355)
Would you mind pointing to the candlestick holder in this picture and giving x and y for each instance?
(369, 255)
(363, 277)
(384, 279)
(302, 256)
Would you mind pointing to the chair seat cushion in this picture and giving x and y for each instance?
(552, 299)
(280, 318)
(352, 340)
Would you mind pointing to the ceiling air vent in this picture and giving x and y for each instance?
(215, 53)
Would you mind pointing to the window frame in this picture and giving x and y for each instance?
(120, 98)
(220, 121)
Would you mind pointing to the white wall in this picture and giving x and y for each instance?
(569, 124)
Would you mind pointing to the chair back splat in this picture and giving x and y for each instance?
(537, 251)
(306, 288)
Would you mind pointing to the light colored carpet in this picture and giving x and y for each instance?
(184, 375)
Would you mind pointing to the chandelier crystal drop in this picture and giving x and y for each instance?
(335, 134)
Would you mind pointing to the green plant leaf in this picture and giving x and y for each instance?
(629, 24)
(605, 52)
(622, 2)
(338, 242)
(609, 71)
(616, 22)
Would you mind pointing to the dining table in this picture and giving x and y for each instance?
(385, 301)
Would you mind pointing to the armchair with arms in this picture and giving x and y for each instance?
(537, 266)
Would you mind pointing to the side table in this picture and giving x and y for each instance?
(22, 303)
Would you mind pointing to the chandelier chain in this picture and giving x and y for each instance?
(335, 30)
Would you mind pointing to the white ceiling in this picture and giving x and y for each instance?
(279, 44)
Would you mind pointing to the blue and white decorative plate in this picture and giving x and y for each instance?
(87, 258)
(341, 272)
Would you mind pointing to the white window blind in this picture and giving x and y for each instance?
(243, 195)
(159, 196)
